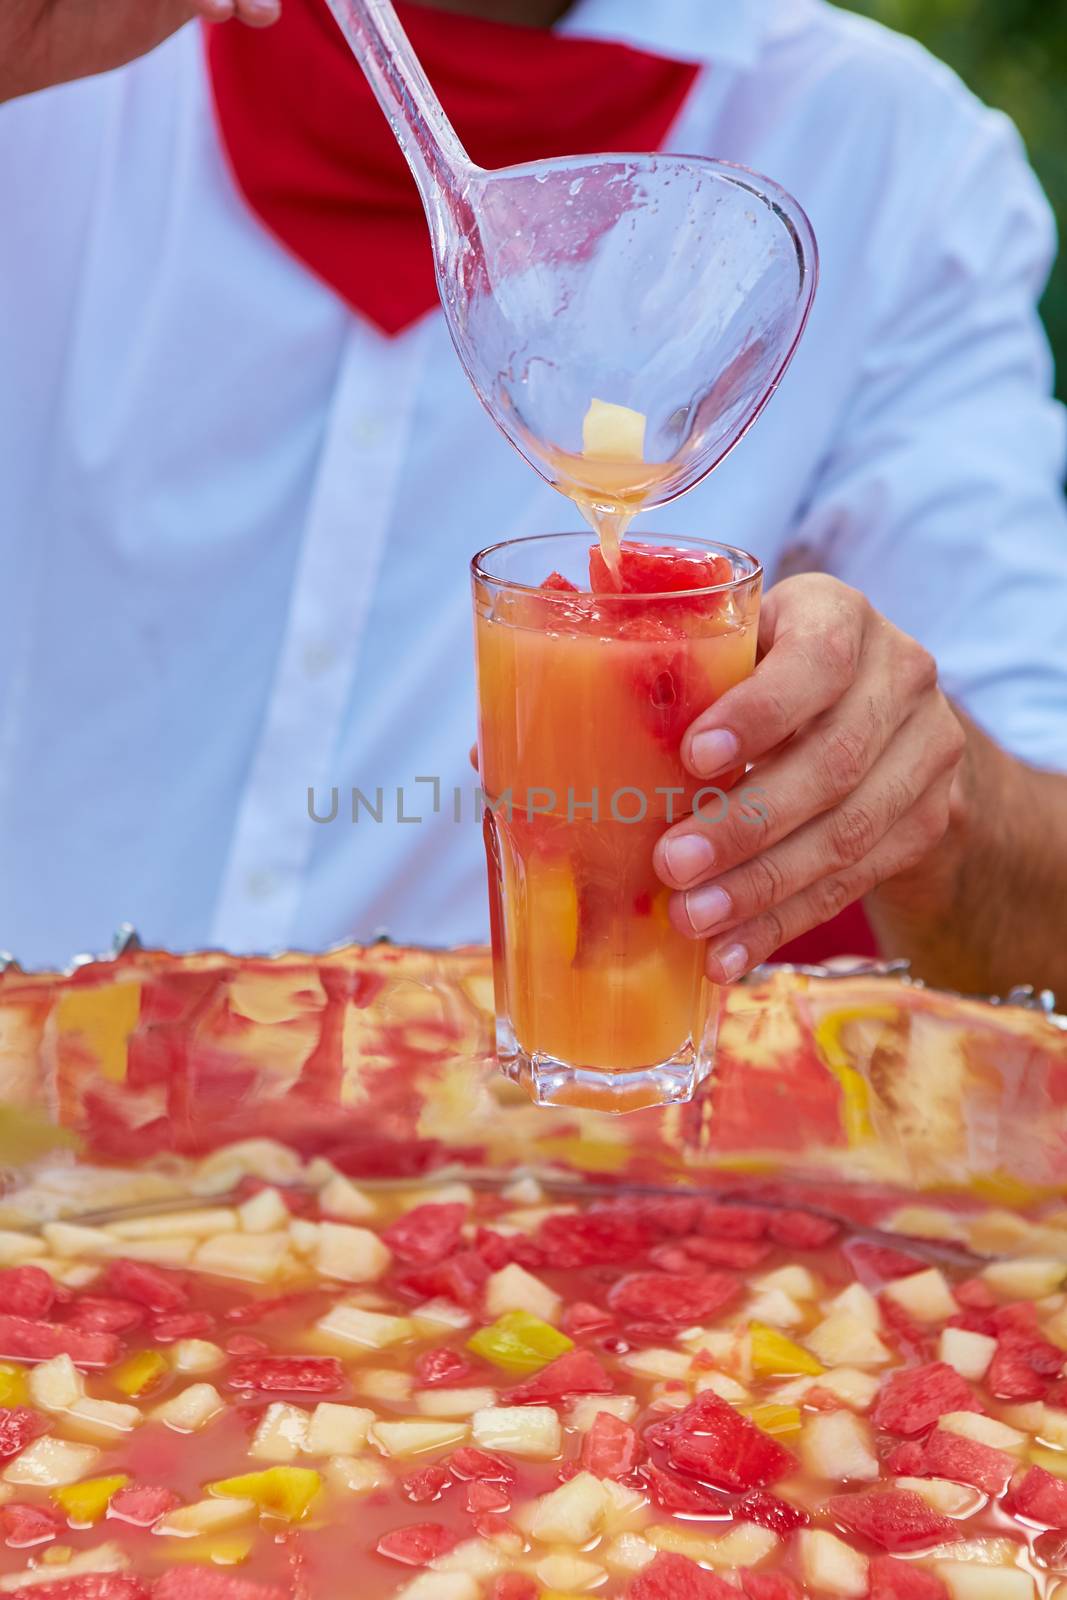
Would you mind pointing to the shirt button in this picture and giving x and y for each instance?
(260, 885)
(318, 658)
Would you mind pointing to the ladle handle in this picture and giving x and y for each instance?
(415, 114)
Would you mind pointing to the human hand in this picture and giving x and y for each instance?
(45, 42)
(854, 749)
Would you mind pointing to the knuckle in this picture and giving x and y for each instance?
(766, 884)
(837, 651)
(830, 897)
(853, 832)
(768, 935)
(924, 669)
(844, 759)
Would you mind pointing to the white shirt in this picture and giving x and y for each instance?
(236, 520)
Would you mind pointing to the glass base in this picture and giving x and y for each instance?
(550, 1082)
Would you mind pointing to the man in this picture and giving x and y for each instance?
(241, 473)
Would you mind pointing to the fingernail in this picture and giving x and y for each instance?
(687, 856)
(263, 10)
(707, 907)
(731, 960)
(712, 751)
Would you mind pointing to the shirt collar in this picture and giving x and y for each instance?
(727, 31)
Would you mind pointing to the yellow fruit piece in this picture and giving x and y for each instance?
(280, 1491)
(551, 909)
(12, 1385)
(226, 1550)
(774, 1419)
(87, 1501)
(611, 432)
(855, 1091)
(519, 1342)
(773, 1353)
(140, 1372)
(1054, 1461)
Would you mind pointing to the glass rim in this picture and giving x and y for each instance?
(711, 546)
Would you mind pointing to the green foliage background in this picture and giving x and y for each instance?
(1013, 53)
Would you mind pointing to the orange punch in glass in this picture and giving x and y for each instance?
(587, 681)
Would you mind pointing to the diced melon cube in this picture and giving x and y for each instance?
(564, 1575)
(197, 1355)
(1025, 1279)
(354, 1255)
(572, 1513)
(1054, 1461)
(584, 1412)
(256, 1158)
(797, 1282)
(925, 1296)
(72, 1274)
(928, 1222)
(476, 1556)
(440, 1586)
(775, 1308)
(206, 1516)
(837, 1445)
(281, 1435)
(1026, 1417)
(285, 1492)
(48, 1462)
(109, 1557)
(860, 1303)
(532, 1431)
(303, 1236)
(1053, 1426)
(628, 1553)
(105, 1419)
(728, 1388)
(414, 1438)
(525, 1191)
(355, 1475)
(85, 1503)
(453, 1402)
(193, 1224)
(970, 1353)
(337, 1430)
(951, 1499)
(16, 1247)
(71, 1239)
(252, 1257)
(176, 1250)
(190, 1409)
(263, 1212)
(968, 1580)
(515, 1289)
(441, 1313)
(624, 1507)
(611, 432)
(56, 1384)
(854, 1388)
(340, 1198)
(351, 1327)
(383, 1383)
(987, 1430)
(655, 1362)
(842, 1340)
(729, 1348)
(831, 1566)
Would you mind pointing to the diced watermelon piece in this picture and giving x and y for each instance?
(147, 1285)
(669, 1214)
(441, 1366)
(426, 1483)
(899, 1580)
(975, 1293)
(246, 1344)
(973, 1321)
(27, 1291)
(182, 1325)
(656, 569)
(611, 1447)
(24, 1339)
(556, 581)
(428, 1233)
(672, 1577)
(769, 1586)
(801, 1230)
(610, 1236)
(949, 1455)
(583, 1320)
(741, 1254)
(895, 1519)
(780, 1516)
(142, 1503)
(1020, 1316)
(911, 1401)
(417, 1544)
(912, 1340)
(23, 1525)
(1039, 1496)
(288, 1374)
(679, 1498)
(197, 1583)
(98, 1313)
(513, 1586)
(468, 1463)
(1051, 1548)
(675, 1299)
(735, 1222)
(462, 1278)
(1023, 1367)
(259, 1310)
(19, 1426)
(881, 1263)
(481, 1496)
(1057, 1395)
(123, 1586)
(711, 1441)
(576, 1372)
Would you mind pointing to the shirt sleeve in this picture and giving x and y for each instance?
(941, 498)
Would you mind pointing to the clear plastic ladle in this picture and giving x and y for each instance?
(674, 286)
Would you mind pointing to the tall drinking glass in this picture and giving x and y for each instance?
(583, 701)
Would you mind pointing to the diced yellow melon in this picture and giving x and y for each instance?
(1054, 1461)
(303, 1236)
(351, 1328)
(433, 1315)
(928, 1222)
(746, 1545)
(725, 1387)
(176, 1250)
(612, 432)
(383, 1383)
(263, 1212)
(17, 1247)
(72, 1239)
(799, 1283)
(140, 1372)
(527, 1219)
(524, 1191)
(355, 1255)
(624, 1508)
(773, 1353)
(356, 1475)
(285, 1492)
(776, 1309)
(656, 1362)
(1025, 1279)
(842, 1340)
(14, 1384)
(837, 1445)
(72, 1274)
(257, 1158)
(970, 1353)
(628, 1553)
(342, 1200)
(831, 1566)
(190, 1409)
(206, 1516)
(572, 1513)
(159, 1225)
(860, 1303)
(214, 1549)
(440, 1586)
(1053, 1426)
(532, 1431)
(951, 1499)
(925, 1296)
(251, 1257)
(197, 1355)
(987, 1430)
(968, 1580)
(55, 1385)
(85, 1502)
(453, 1402)
(515, 1289)
(564, 1574)
(109, 1557)
(337, 1430)
(48, 1462)
(105, 1420)
(584, 1412)
(478, 1557)
(414, 1438)
(281, 1435)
